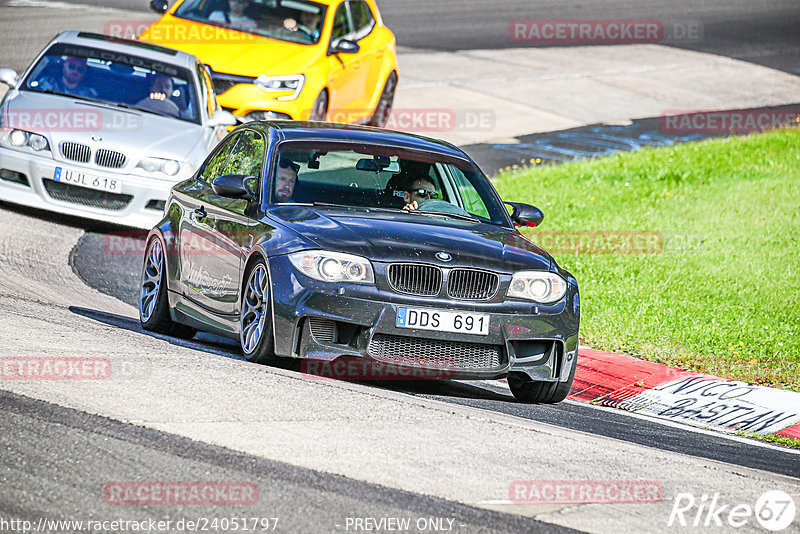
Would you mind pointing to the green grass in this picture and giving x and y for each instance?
(686, 255)
(773, 438)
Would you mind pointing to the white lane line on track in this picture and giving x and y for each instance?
(52, 4)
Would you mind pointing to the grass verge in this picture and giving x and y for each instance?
(686, 255)
(772, 438)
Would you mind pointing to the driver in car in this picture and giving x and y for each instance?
(420, 194)
(285, 179)
(160, 97)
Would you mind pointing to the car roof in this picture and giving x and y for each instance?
(127, 46)
(323, 131)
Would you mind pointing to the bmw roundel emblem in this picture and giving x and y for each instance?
(444, 256)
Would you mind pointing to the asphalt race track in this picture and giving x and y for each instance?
(763, 32)
(324, 453)
(119, 278)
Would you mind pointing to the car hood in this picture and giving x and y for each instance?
(243, 54)
(392, 237)
(77, 120)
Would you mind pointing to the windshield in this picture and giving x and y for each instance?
(296, 21)
(361, 175)
(117, 79)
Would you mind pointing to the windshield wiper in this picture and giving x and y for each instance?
(441, 214)
(332, 205)
(104, 102)
(128, 106)
(69, 95)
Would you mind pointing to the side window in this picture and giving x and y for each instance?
(212, 167)
(471, 199)
(341, 24)
(247, 157)
(363, 21)
(209, 98)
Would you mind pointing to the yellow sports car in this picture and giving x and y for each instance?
(288, 59)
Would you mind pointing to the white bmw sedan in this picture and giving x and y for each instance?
(101, 128)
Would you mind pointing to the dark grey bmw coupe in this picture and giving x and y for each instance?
(380, 249)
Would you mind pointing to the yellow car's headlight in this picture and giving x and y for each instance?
(280, 84)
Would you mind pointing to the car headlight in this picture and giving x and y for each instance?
(261, 115)
(538, 286)
(21, 138)
(280, 84)
(170, 167)
(327, 266)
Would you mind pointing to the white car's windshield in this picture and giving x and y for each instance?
(296, 21)
(116, 78)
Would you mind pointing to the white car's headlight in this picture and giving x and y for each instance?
(329, 266)
(21, 138)
(170, 167)
(280, 84)
(538, 286)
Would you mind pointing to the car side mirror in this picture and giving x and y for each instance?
(234, 186)
(9, 77)
(525, 214)
(345, 46)
(159, 6)
(222, 118)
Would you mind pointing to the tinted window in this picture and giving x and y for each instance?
(365, 175)
(341, 24)
(212, 167)
(247, 157)
(362, 17)
(297, 21)
(116, 78)
(207, 88)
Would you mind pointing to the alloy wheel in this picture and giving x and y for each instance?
(151, 279)
(254, 308)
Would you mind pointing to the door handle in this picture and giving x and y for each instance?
(200, 212)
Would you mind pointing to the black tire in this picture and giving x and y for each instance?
(385, 102)
(527, 390)
(319, 111)
(153, 301)
(255, 316)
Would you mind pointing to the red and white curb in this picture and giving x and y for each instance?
(609, 379)
(679, 397)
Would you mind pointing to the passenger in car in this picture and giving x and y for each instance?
(234, 16)
(71, 81)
